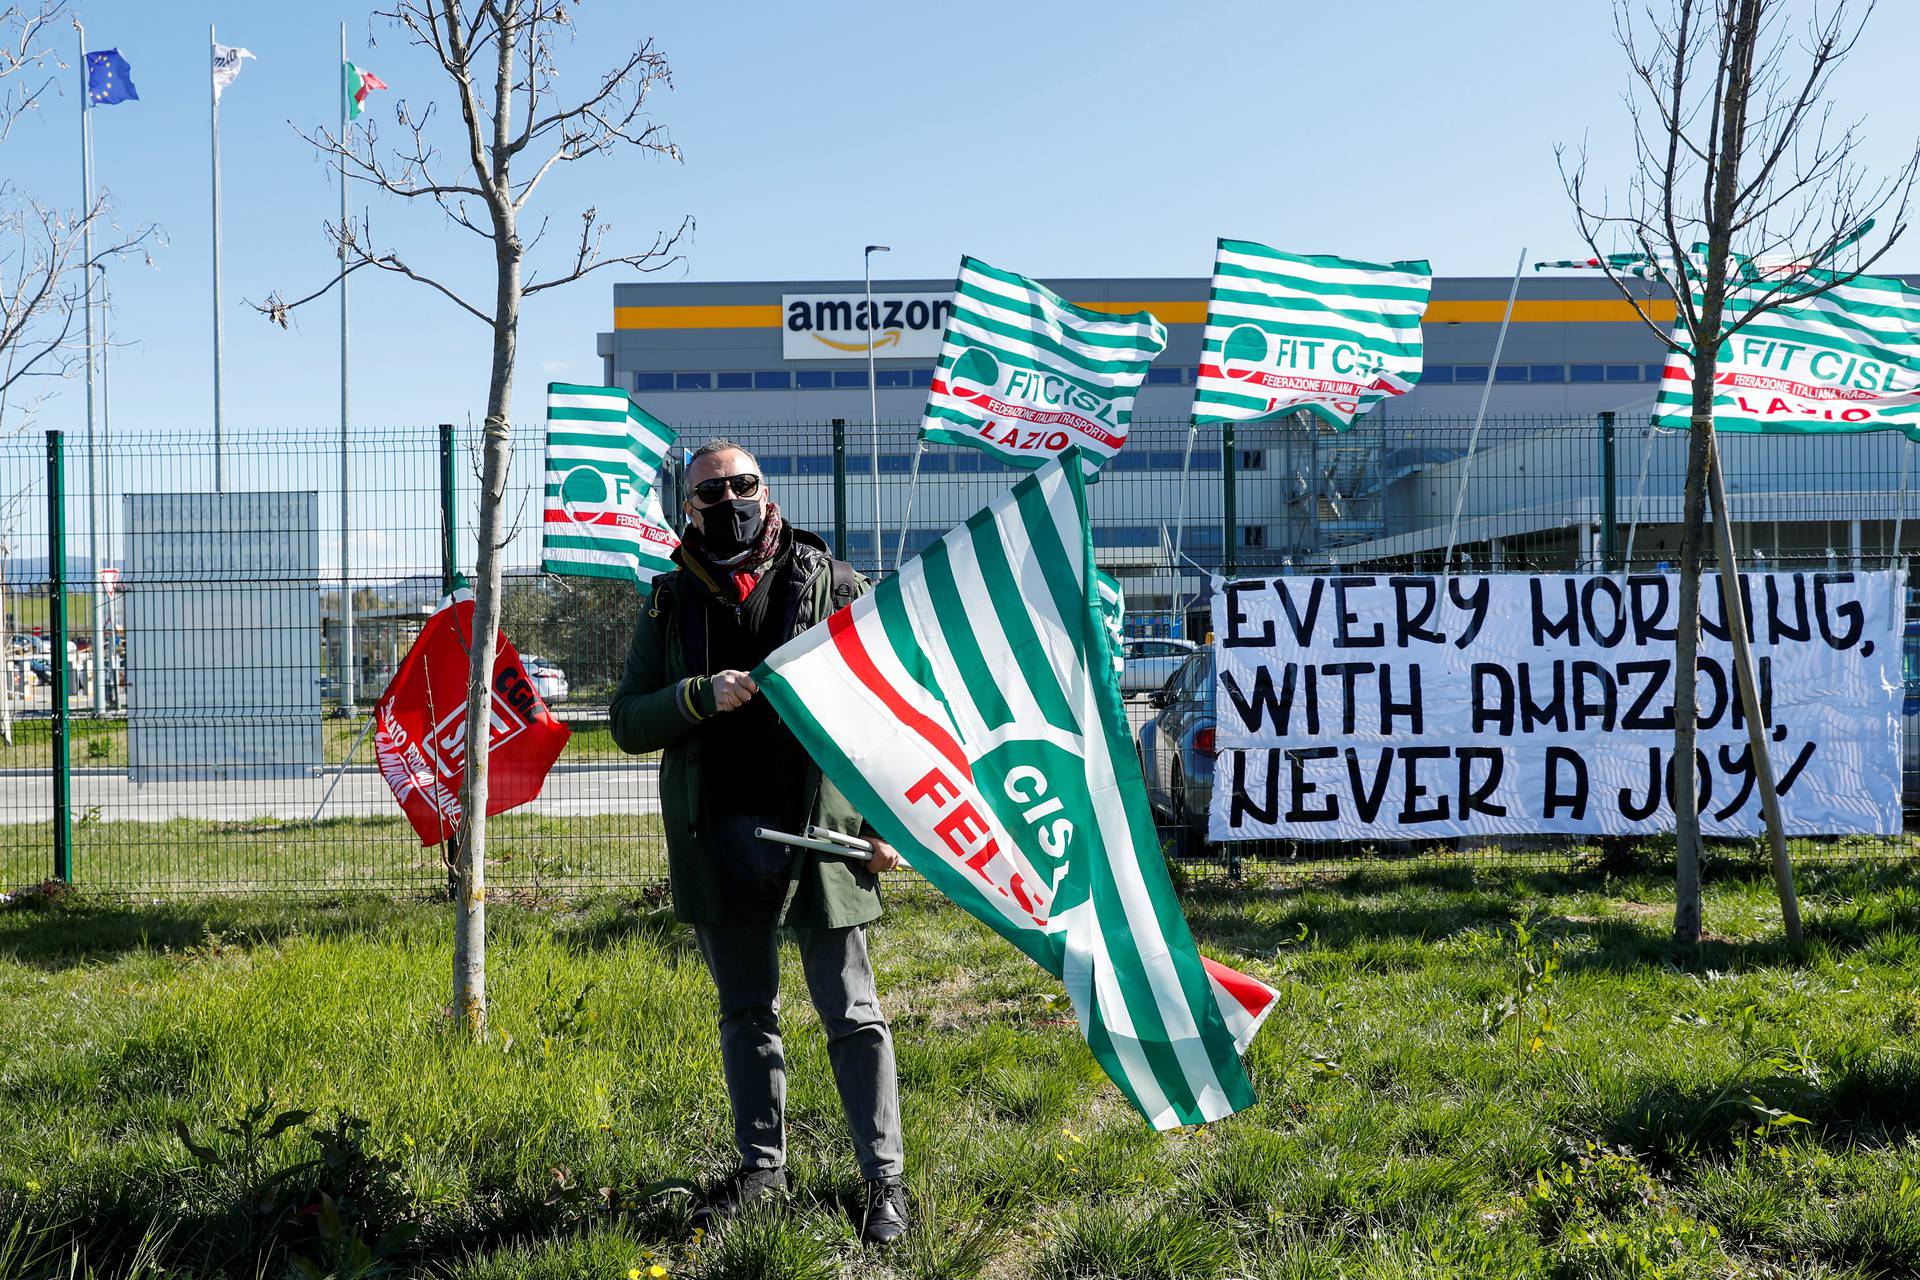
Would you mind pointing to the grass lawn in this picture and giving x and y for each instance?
(1471, 1072)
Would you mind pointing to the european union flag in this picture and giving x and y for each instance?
(109, 78)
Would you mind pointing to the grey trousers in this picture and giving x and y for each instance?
(744, 959)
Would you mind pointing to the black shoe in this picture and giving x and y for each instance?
(744, 1187)
(886, 1217)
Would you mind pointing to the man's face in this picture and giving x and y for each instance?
(718, 466)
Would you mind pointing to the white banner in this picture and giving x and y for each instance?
(833, 326)
(1404, 707)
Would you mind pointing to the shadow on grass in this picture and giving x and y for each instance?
(1871, 1103)
(1847, 906)
(63, 935)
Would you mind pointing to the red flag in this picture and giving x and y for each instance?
(420, 727)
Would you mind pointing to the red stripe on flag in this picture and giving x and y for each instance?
(846, 638)
(1252, 994)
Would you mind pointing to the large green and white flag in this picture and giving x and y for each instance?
(970, 707)
(1845, 360)
(1026, 375)
(603, 513)
(1291, 331)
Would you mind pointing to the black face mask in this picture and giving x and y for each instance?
(728, 528)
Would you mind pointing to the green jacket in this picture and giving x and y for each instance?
(660, 700)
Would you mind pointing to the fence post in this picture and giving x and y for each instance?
(840, 489)
(1229, 518)
(1609, 498)
(447, 522)
(57, 624)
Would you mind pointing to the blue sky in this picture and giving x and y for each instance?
(1062, 139)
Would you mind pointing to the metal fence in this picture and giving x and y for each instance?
(207, 642)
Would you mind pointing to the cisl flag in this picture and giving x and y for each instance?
(970, 707)
(1025, 374)
(603, 512)
(1291, 331)
(1847, 359)
(420, 726)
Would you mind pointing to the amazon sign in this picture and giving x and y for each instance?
(834, 326)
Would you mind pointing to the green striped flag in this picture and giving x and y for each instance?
(1291, 331)
(1621, 264)
(1024, 374)
(1846, 360)
(970, 706)
(603, 513)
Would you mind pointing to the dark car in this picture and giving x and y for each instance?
(1176, 752)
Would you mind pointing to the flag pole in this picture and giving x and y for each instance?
(348, 667)
(1473, 441)
(913, 482)
(1639, 503)
(1900, 512)
(1180, 528)
(93, 452)
(213, 104)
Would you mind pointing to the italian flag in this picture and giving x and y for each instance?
(360, 82)
(970, 707)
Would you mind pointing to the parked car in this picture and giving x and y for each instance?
(1150, 662)
(1176, 752)
(549, 681)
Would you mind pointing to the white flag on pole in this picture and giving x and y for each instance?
(226, 66)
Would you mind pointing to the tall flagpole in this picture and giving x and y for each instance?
(348, 668)
(1473, 441)
(213, 100)
(93, 452)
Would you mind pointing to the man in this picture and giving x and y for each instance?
(747, 582)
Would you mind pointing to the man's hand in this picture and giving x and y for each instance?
(731, 689)
(885, 856)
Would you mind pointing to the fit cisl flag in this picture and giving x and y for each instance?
(1844, 360)
(970, 707)
(420, 727)
(1620, 264)
(1291, 331)
(603, 517)
(1025, 375)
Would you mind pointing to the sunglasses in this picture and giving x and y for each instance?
(744, 485)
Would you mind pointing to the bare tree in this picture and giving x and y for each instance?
(499, 59)
(1744, 180)
(42, 260)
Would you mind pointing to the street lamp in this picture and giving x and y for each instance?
(873, 402)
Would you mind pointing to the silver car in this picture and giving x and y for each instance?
(1149, 662)
(549, 681)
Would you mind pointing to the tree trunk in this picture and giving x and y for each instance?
(1724, 183)
(1686, 652)
(470, 936)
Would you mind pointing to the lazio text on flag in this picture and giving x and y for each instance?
(603, 516)
(1025, 374)
(1289, 331)
(1846, 360)
(969, 707)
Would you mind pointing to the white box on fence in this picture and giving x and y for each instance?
(223, 635)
